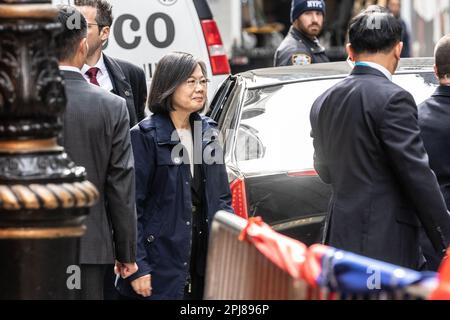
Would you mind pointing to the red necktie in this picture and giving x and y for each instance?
(92, 74)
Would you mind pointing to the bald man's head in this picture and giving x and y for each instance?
(442, 57)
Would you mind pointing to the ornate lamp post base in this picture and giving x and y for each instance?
(44, 197)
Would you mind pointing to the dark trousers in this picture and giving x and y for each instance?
(196, 288)
(109, 290)
(92, 280)
(433, 258)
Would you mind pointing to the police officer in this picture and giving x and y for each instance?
(301, 46)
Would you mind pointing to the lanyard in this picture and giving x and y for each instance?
(361, 64)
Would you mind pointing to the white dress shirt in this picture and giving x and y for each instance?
(102, 76)
(378, 67)
(69, 68)
(187, 141)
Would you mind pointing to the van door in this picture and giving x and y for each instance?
(145, 30)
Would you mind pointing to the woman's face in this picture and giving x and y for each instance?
(191, 95)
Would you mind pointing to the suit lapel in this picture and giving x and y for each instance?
(442, 91)
(121, 86)
(72, 75)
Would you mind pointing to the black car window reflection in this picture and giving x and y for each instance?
(249, 144)
(274, 128)
(420, 85)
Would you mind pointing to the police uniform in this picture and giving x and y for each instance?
(298, 49)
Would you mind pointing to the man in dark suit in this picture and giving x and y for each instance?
(434, 122)
(120, 77)
(96, 136)
(368, 147)
(114, 75)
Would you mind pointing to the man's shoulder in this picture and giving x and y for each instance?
(378, 85)
(428, 107)
(293, 52)
(106, 99)
(393, 89)
(126, 66)
(291, 43)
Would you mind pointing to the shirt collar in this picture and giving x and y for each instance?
(376, 66)
(69, 68)
(100, 65)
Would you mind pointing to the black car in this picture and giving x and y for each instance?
(263, 116)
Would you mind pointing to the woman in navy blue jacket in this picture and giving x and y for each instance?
(181, 182)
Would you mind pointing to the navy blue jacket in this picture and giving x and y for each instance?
(164, 204)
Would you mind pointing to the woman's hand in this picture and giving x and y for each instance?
(143, 285)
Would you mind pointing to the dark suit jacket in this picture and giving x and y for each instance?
(128, 82)
(434, 122)
(96, 136)
(368, 147)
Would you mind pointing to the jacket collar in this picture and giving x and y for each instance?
(164, 128)
(363, 70)
(72, 75)
(442, 91)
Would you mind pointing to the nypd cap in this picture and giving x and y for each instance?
(300, 6)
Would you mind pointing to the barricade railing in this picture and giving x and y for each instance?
(247, 260)
(236, 270)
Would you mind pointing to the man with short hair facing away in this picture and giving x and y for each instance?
(434, 122)
(96, 136)
(368, 148)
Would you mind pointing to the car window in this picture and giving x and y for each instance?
(274, 131)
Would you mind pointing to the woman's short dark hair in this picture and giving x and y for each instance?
(374, 30)
(171, 72)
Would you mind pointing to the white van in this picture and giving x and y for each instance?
(145, 30)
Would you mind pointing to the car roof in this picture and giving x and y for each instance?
(281, 75)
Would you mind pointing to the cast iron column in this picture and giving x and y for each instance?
(44, 197)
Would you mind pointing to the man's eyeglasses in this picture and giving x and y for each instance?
(95, 24)
(192, 83)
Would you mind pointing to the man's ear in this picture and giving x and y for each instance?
(83, 46)
(104, 33)
(350, 52)
(398, 50)
(436, 71)
(83, 49)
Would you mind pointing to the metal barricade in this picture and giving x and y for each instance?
(237, 270)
